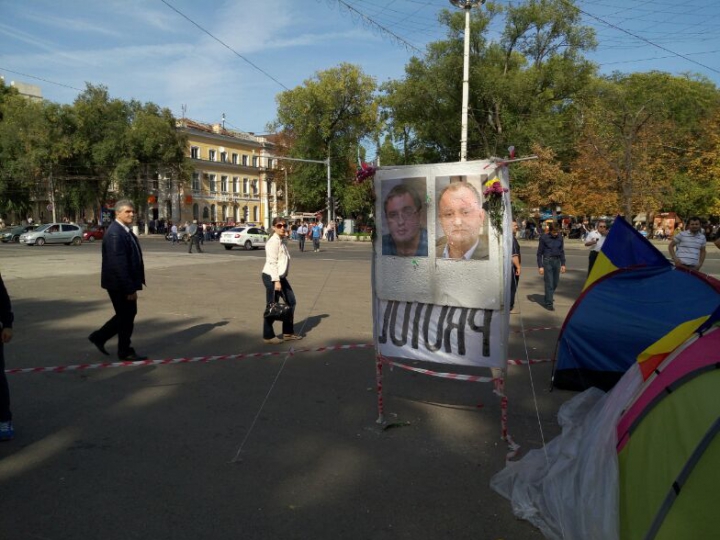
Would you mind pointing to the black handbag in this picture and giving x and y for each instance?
(278, 310)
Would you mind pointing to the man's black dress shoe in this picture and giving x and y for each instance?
(100, 346)
(133, 357)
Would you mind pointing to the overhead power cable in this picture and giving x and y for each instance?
(40, 79)
(221, 42)
(614, 26)
(371, 22)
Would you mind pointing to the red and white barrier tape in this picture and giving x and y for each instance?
(532, 361)
(167, 361)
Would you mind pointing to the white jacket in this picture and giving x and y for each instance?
(277, 258)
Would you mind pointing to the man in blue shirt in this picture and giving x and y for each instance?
(551, 262)
(402, 211)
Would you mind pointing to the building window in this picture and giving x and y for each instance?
(213, 213)
(255, 213)
(245, 186)
(223, 183)
(196, 181)
(156, 182)
(212, 183)
(196, 211)
(211, 155)
(194, 152)
(255, 161)
(235, 159)
(270, 163)
(255, 187)
(245, 160)
(223, 157)
(236, 181)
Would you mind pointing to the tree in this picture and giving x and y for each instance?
(522, 88)
(634, 124)
(328, 116)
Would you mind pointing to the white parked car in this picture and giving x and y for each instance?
(247, 237)
(53, 233)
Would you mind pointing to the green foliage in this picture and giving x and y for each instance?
(522, 88)
(77, 152)
(327, 116)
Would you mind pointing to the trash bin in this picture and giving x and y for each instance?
(349, 226)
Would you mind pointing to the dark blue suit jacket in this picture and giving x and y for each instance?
(123, 270)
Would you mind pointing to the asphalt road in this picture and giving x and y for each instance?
(150, 452)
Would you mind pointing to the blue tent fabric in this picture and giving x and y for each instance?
(620, 313)
(626, 247)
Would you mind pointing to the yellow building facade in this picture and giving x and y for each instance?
(233, 179)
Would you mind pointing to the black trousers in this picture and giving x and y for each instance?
(591, 260)
(288, 324)
(301, 241)
(121, 324)
(514, 279)
(5, 414)
(195, 241)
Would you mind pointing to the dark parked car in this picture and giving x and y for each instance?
(12, 234)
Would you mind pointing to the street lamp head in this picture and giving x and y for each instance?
(466, 4)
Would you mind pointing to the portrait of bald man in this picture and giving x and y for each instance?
(462, 219)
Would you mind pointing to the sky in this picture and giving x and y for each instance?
(214, 57)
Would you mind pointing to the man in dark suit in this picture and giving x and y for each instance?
(462, 218)
(123, 275)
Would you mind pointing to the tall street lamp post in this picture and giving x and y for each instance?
(467, 5)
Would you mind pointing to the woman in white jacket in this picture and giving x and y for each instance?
(274, 276)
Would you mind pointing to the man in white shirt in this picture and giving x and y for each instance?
(595, 240)
(687, 248)
(302, 232)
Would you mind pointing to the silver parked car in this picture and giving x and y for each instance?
(53, 233)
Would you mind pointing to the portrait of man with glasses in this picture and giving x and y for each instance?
(463, 222)
(405, 220)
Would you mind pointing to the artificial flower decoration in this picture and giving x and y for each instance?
(366, 170)
(494, 204)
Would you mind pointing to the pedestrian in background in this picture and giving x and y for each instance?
(122, 275)
(515, 268)
(274, 277)
(551, 262)
(7, 432)
(595, 241)
(173, 233)
(196, 236)
(302, 233)
(687, 248)
(317, 232)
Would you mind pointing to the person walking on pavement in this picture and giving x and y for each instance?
(302, 232)
(317, 232)
(7, 432)
(173, 233)
(274, 277)
(122, 275)
(196, 234)
(515, 268)
(551, 262)
(595, 241)
(687, 248)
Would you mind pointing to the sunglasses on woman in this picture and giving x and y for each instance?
(280, 225)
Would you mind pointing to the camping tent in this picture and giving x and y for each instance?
(642, 461)
(632, 298)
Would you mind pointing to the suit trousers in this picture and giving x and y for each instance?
(5, 414)
(121, 324)
(301, 242)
